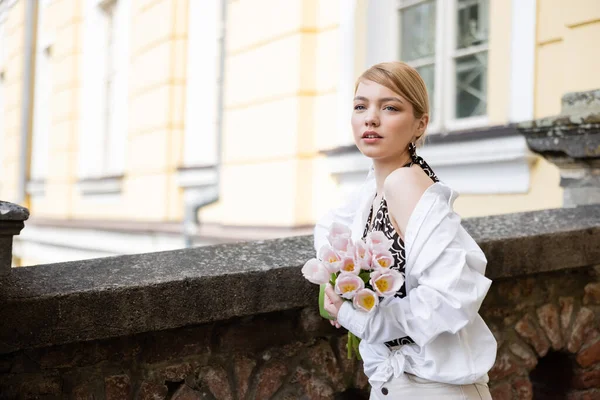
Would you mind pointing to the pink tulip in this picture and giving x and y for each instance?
(350, 265)
(382, 259)
(376, 240)
(366, 300)
(330, 258)
(315, 272)
(341, 244)
(362, 255)
(338, 230)
(386, 282)
(347, 284)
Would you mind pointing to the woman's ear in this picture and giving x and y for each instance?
(423, 122)
(421, 126)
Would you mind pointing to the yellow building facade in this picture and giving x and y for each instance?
(122, 122)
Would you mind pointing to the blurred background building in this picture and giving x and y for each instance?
(130, 126)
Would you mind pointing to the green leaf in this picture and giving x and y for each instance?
(352, 346)
(334, 278)
(365, 276)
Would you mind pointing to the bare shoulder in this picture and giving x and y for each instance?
(403, 189)
(403, 180)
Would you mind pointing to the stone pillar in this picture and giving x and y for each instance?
(12, 219)
(571, 141)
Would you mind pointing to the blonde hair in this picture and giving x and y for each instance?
(403, 79)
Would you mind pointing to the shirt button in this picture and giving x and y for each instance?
(384, 391)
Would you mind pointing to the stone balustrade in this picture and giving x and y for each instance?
(238, 321)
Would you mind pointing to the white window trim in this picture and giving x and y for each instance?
(503, 164)
(91, 168)
(522, 60)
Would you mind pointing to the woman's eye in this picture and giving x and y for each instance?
(359, 107)
(390, 108)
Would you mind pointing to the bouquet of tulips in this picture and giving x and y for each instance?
(360, 271)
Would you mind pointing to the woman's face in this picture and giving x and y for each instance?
(383, 122)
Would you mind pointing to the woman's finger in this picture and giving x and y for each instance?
(330, 292)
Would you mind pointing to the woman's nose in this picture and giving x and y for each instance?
(371, 119)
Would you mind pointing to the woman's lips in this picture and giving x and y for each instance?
(371, 140)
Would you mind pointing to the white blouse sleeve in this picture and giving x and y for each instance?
(446, 272)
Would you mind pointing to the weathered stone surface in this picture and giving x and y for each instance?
(577, 102)
(255, 334)
(548, 318)
(528, 358)
(589, 356)
(497, 334)
(593, 394)
(348, 365)
(323, 359)
(136, 293)
(501, 391)
(215, 378)
(581, 325)
(36, 387)
(152, 391)
(176, 373)
(503, 367)
(523, 388)
(310, 320)
(592, 293)
(314, 387)
(12, 212)
(566, 313)
(524, 243)
(361, 381)
(270, 379)
(184, 392)
(243, 367)
(167, 345)
(532, 335)
(117, 387)
(586, 380)
(82, 392)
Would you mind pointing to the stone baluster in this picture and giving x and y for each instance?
(571, 141)
(12, 217)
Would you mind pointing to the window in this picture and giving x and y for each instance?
(41, 101)
(104, 91)
(447, 42)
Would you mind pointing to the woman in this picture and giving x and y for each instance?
(428, 341)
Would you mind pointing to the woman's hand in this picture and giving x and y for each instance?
(332, 304)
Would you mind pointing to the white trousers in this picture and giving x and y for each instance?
(409, 386)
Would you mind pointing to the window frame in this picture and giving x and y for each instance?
(443, 103)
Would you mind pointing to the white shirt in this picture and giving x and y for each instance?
(445, 287)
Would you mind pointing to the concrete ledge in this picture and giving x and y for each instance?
(117, 296)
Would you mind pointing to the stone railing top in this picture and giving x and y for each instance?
(117, 296)
(12, 212)
(580, 112)
(575, 132)
(578, 108)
